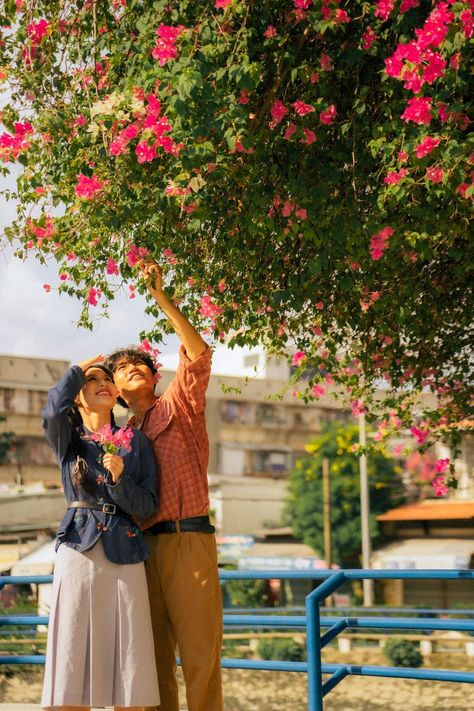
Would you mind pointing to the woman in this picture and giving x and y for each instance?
(100, 645)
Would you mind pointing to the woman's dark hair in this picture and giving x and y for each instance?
(79, 470)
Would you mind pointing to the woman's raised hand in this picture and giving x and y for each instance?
(84, 364)
(114, 464)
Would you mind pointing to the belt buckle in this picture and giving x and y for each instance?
(109, 508)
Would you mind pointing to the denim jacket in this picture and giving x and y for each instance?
(134, 493)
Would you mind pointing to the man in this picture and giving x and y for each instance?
(182, 573)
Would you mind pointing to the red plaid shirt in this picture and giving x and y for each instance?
(176, 428)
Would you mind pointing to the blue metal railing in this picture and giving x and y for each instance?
(313, 622)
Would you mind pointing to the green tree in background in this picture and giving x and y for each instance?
(304, 507)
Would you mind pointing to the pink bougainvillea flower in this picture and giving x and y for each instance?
(80, 120)
(318, 391)
(302, 4)
(310, 136)
(420, 435)
(36, 31)
(426, 146)
(222, 4)
(287, 208)
(442, 465)
(379, 242)
(47, 288)
(165, 48)
(154, 354)
(301, 213)
(402, 156)
(383, 8)
(135, 254)
(301, 108)
(278, 112)
(406, 5)
(394, 178)
(209, 309)
(328, 115)
(418, 110)
(467, 22)
(439, 486)
(270, 32)
(357, 408)
(434, 174)
(111, 441)
(88, 188)
(326, 62)
(93, 296)
(111, 266)
(290, 131)
(298, 358)
(368, 38)
(144, 152)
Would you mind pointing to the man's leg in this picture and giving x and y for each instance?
(195, 606)
(165, 641)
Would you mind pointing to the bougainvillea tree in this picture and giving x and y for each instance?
(304, 168)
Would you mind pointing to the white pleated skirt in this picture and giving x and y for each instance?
(100, 649)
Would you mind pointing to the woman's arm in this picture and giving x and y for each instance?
(60, 400)
(135, 490)
(55, 415)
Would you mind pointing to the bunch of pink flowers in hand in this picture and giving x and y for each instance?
(111, 441)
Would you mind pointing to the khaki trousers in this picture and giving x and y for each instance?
(186, 613)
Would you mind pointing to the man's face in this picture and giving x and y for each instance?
(132, 377)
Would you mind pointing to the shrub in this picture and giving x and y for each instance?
(403, 653)
(281, 649)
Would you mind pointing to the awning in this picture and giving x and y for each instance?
(431, 510)
(421, 553)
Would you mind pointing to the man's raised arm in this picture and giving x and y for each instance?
(193, 343)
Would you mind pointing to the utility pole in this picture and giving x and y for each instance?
(368, 585)
(327, 520)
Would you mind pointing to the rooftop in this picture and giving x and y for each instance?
(431, 510)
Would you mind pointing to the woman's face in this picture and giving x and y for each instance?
(99, 393)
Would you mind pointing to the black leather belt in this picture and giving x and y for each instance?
(194, 523)
(105, 508)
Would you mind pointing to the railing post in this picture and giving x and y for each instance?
(313, 639)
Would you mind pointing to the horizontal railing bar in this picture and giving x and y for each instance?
(253, 621)
(264, 621)
(9, 620)
(354, 574)
(263, 665)
(22, 659)
(401, 623)
(346, 610)
(24, 579)
(402, 673)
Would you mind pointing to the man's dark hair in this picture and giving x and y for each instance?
(132, 354)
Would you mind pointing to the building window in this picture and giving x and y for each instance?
(271, 463)
(270, 415)
(234, 412)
